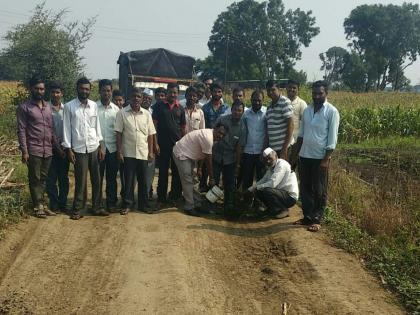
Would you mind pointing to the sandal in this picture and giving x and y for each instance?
(303, 221)
(40, 214)
(314, 227)
(124, 211)
(49, 212)
(76, 216)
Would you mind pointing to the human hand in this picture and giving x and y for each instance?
(101, 155)
(120, 157)
(25, 158)
(324, 165)
(71, 156)
(211, 182)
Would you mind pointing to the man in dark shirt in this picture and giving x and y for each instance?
(36, 141)
(169, 119)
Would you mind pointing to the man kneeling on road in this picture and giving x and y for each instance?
(195, 146)
(278, 189)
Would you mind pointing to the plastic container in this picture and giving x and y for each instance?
(214, 194)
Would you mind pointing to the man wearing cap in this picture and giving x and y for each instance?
(278, 189)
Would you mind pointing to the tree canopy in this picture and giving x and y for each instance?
(48, 47)
(258, 40)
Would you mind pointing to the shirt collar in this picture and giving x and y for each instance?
(129, 109)
(44, 103)
(176, 103)
(80, 103)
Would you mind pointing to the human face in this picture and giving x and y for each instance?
(147, 101)
(273, 93)
(292, 91)
(208, 82)
(106, 94)
(271, 159)
(83, 91)
(56, 96)
(200, 94)
(160, 96)
(219, 133)
(38, 91)
(119, 101)
(237, 112)
(256, 101)
(207, 93)
(136, 100)
(192, 98)
(319, 95)
(216, 94)
(238, 96)
(172, 95)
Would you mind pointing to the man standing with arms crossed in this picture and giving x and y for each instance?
(109, 166)
(317, 140)
(83, 141)
(36, 141)
(279, 121)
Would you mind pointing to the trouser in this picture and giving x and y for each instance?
(135, 170)
(86, 162)
(204, 178)
(166, 161)
(251, 163)
(186, 174)
(58, 173)
(292, 152)
(313, 189)
(109, 168)
(150, 174)
(228, 172)
(37, 174)
(122, 180)
(276, 200)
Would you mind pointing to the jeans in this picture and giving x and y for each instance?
(313, 189)
(276, 200)
(109, 168)
(58, 173)
(250, 164)
(37, 174)
(86, 162)
(166, 161)
(186, 172)
(135, 170)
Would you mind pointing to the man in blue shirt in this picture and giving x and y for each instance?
(316, 142)
(252, 142)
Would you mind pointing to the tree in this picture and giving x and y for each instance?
(47, 47)
(354, 74)
(387, 39)
(333, 62)
(258, 40)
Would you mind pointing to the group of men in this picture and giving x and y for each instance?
(252, 153)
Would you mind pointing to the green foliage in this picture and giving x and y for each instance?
(387, 40)
(260, 40)
(48, 47)
(333, 62)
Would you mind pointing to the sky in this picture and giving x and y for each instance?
(183, 26)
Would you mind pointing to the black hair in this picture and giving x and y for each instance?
(200, 86)
(172, 85)
(257, 92)
(136, 90)
(271, 83)
(160, 90)
(215, 86)
(237, 103)
(56, 85)
(293, 82)
(116, 93)
(83, 80)
(105, 82)
(237, 90)
(320, 83)
(36, 79)
(220, 124)
(191, 89)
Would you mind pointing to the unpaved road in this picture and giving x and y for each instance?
(170, 263)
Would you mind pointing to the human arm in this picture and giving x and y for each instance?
(286, 143)
(273, 180)
(119, 127)
(202, 124)
(334, 122)
(120, 156)
(21, 130)
(67, 133)
(209, 164)
(150, 146)
(151, 140)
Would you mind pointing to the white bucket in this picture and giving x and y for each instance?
(214, 194)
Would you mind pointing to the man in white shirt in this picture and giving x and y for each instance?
(135, 130)
(82, 139)
(278, 189)
(298, 106)
(109, 166)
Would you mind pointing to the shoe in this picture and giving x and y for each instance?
(112, 209)
(125, 211)
(48, 212)
(192, 212)
(101, 212)
(282, 214)
(76, 216)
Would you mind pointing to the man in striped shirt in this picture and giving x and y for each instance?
(279, 120)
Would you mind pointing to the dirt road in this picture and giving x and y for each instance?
(170, 263)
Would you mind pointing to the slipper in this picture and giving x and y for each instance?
(314, 227)
(303, 221)
(76, 216)
(124, 211)
(40, 214)
(49, 212)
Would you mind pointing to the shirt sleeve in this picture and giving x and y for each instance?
(276, 177)
(288, 109)
(183, 120)
(202, 121)
(151, 127)
(155, 113)
(21, 124)
(302, 125)
(119, 123)
(207, 146)
(334, 122)
(243, 134)
(67, 126)
(98, 126)
(303, 105)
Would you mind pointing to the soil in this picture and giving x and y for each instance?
(171, 263)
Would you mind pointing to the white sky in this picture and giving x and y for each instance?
(183, 26)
